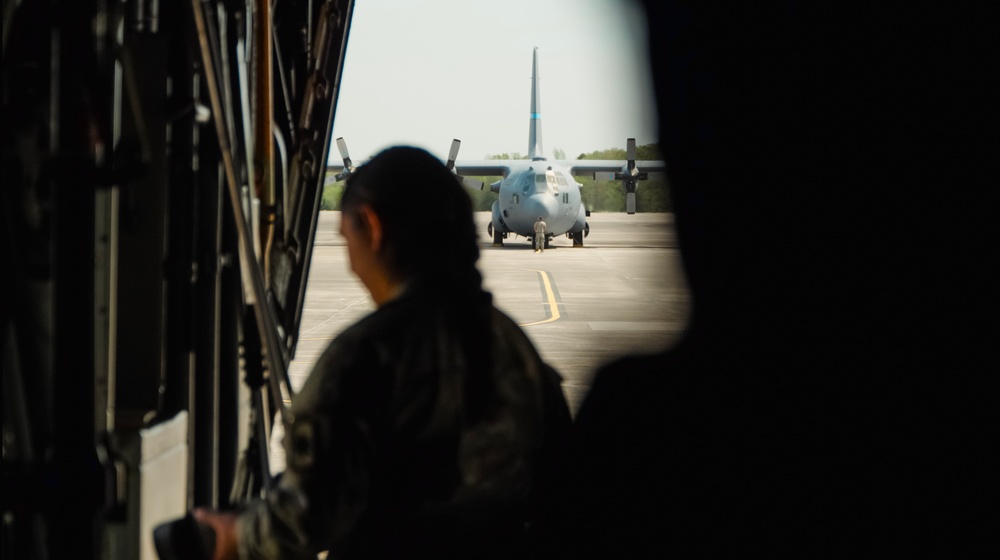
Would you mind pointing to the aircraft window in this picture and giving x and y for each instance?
(517, 199)
(542, 182)
(561, 179)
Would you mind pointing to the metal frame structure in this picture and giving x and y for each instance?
(163, 165)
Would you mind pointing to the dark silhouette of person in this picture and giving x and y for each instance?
(829, 397)
(429, 427)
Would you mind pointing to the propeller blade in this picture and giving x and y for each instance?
(630, 153)
(453, 154)
(348, 166)
(342, 146)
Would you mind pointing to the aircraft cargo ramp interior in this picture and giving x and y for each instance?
(163, 165)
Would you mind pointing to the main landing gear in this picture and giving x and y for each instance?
(497, 235)
(578, 236)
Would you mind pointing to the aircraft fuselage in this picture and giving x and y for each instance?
(539, 189)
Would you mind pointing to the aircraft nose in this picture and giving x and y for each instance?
(541, 205)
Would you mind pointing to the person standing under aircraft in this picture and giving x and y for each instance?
(429, 427)
(539, 235)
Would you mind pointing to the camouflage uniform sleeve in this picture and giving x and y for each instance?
(273, 528)
(322, 492)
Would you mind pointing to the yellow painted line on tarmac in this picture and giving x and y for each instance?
(550, 296)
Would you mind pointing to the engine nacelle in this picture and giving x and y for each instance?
(497, 222)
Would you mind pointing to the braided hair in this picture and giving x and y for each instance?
(429, 243)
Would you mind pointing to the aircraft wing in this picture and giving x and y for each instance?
(612, 166)
(486, 167)
(501, 167)
(481, 168)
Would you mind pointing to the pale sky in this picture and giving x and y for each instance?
(422, 72)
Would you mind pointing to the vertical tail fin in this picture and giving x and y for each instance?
(535, 121)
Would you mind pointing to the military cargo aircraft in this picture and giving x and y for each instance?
(538, 187)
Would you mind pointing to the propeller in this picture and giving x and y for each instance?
(348, 166)
(630, 155)
(630, 176)
(452, 156)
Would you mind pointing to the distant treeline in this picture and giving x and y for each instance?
(598, 196)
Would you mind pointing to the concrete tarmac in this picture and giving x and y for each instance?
(622, 292)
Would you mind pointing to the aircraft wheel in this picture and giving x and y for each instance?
(578, 239)
(497, 236)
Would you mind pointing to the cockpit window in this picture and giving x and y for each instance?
(550, 178)
(540, 184)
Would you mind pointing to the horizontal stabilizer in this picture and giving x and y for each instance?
(604, 176)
